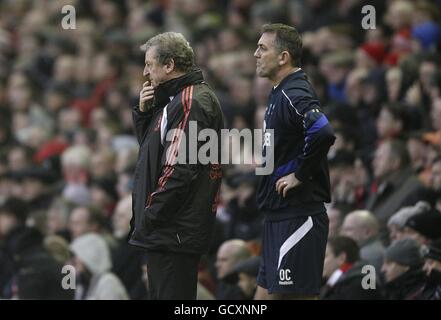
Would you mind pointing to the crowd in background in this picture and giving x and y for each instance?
(68, 151)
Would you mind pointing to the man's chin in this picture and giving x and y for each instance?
(261, 73)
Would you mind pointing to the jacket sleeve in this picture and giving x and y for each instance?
(141, 121)
(304, 111)
(177, 170)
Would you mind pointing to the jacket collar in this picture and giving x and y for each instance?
(299, 73)
(172, 87)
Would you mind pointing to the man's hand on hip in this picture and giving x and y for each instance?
(286, 183)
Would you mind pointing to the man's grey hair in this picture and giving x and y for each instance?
(172, 45)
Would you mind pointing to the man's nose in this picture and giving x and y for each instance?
(256, 54)
(146, 72)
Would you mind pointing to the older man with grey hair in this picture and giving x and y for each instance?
(363, 227)
(174, 195)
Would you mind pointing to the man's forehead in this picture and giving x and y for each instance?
(150, 54)
(267, 38)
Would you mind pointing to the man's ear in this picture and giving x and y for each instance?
(284, 58)
(170, 66)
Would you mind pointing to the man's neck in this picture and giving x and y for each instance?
(282, 74)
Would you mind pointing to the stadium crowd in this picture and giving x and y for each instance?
(68, 151)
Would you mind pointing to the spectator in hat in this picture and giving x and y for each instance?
(424, 227)
(93, 264)
(428, 34)
(244, 274)
(397, 222)
(342, 272)
(402, 269)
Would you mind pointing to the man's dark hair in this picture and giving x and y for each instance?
(15, 207)
(287, 39)
(172, 45)
(341, 244)
(96, 217)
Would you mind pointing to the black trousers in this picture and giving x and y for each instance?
(172, 276)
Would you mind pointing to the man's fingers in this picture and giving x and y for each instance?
(280, 186)
(147, 89)
(278, 183)
(146, 98)
(285, 191)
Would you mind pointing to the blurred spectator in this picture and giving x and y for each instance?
(127, 260)
(394, 183)
(244, 274)
(425, 226)
(58, 248)
(229, 254)
(362, 226)
(13, 214)
(435, 182)
(85, 220)
(343, 272)
(336, 215)
(27, 270)
(397, 222)
(92, 264)
(402, 270)
(432, 268)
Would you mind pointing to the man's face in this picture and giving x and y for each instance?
(224, 262)
(331, 263)
(382, 161)
(431, 264)
(79, 222)
(267, 57)
(392, 270)
(32, 188)
(7, 223)
(353, 229)
(435, 114)
(153, 70)
(121, 219)
(436, 175)
(395, 233)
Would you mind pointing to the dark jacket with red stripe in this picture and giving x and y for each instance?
(175, 196)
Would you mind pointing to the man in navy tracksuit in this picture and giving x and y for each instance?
(292, 197)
